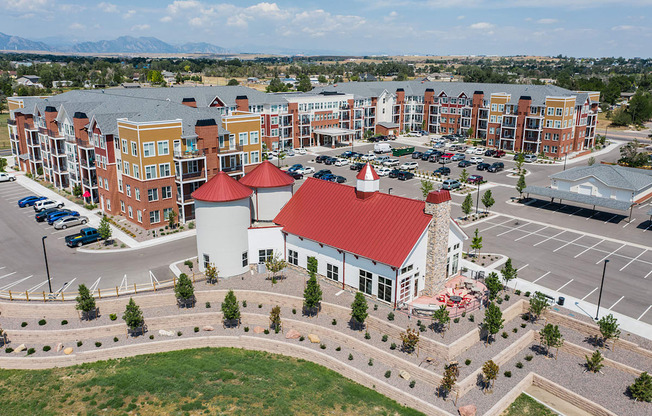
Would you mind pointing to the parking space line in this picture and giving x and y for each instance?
(589, 248)
(30, 290)
(648, 308)
(547, 273)
(592, 215)
(513, 229)
(570, 242)
(612, 306)
(540, 242)
(2, 267)
(611, 218)
(7, 275)
(589, 294)
(561, 207)
(543, 206)
(10, 285)
(610, 254)
(632, 260)
(564, 285)
(570, 215)
(649, 273)
(533, 232)
(523, 267)
(94, 285)
(496, 225)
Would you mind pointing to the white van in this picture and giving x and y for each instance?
(382, 148)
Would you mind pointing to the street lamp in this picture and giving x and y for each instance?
(47, 268)
(477, 200)
(389, 191)
(565, 158)
(601, 284)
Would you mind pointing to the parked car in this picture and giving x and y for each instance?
(321, 158)
(383, 171)
(450, 184)
(530, 158)
(413, 134)
(290, 153)
(368, 157)
(85, 236)
(442, 171)
(300, 151)
(476, 159)
(41, 216)
(295, 167)
(404, 175)
(357, 166)
(47, 203)
(471, 150)
(479, 151)
(69, 221)
(426, 155)
(409, 166)
(54, 216)
(295, 174)
(500, 153)
(475, 179)
(341, 162)
(7, 177)
(338, 179)
(496, 167)
(29, 201)
(305, 170)
(489, 152)
(382, 148)
(446, 158)
(391, 162)
(330, 161)
(328, 177)
(321, 173)
(347, 154)
(382, 158)
(417, 155)
(482, 166)
(464, 164)
(458, 156)
(394, 173)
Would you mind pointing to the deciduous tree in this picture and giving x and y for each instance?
(426, 187)
(441, 318)
(493, 320)
(490, 373)
(410, 340)
(538, 305)
(467, 205)
(508, 272)
(493, 285)
(520, 185)
(476, 243)
(551, 337)
(104, 229)
(488, 200)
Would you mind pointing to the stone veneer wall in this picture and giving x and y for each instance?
(437, 251)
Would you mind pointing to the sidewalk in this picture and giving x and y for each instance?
(613, 144)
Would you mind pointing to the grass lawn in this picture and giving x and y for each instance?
(4, 132)
(526, 405)
(192, 382)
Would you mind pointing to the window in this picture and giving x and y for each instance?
(253, 137)
(131, 211)
(332, 272)
(166, 192)
(134, 149)
(555, 137)
(163, 148)
(245, 158)
(546, 149)
(547, 136)
(365, 283)
(139, 215)
(99, 181)
(242, 138)
(404, 292)
(221, 142)
(128, 190)
(501, 108)
(166, 213)
(122, 206)
(150, 172)
(136, 169)
(265, 255)
(207, 261)
(118, 164)
(406, 269)
(148, 149)
(127, 168)
(255, 157)
(560, 111)
(492, 130)
(293, 257)
(554, 149)
(164, 169)
(108, 205)
(152, 194)
(154, 217)
(120, 185)
(494, 107)
(137, 193)
(125, 148)
(106, 184)
(384, 289)
(567, 111)
(245, 259)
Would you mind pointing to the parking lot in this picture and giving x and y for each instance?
(572, 262)
(22, 265)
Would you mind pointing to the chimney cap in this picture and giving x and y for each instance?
(188, 100)
(79, 114)
(241, 97)
(50, 109)
(430, 90)
(205, 122)
(478, 92)
(525, 97)
(400, 89)
(438, 197)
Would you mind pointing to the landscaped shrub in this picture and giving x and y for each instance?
(517, 292)
(179, 333)
(23, 325)
(115, 339)
(384, 338)
(467, 361)
(246, 329)
(266, 331)
(9, 350)
(46, 348)
(390, 316)
(294, 311)
(322, 346)
(422, 328)
(471, 318)
(456, 320)
(499, 300)
(113, 316)
(367, 335)
(504, 334)
(388, 374)
(375, 307)
(508, 374)
(393, 346)
(527, 294)
(260, 305)
(301, 338)
(506, 298)
(338, 349)
(98, 344)
(151, 337)
(463, 314)
(523, 325)
(515, 330)
(196, 329)
(519, 365)
(528, 357)
(412, 383)
(79, 343)
(31, 351)
(525, 316)
(208, 305)
(244, 303)
(350, 357)
(334, 322)
(371, 362)
(64, 322)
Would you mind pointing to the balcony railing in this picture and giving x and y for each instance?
(184, 198)
(89, 184)
(229, 149)
(188, 154)
(83, 143)
(229, 169)
(190, 175)
(86, 163)
(11, 122)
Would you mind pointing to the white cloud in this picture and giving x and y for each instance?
(166, 19)
(77, 26)
(461, 17)
(26, 5)
(482, 26)
(129, 14)
(319, 23)
(180, 5)
(140, 27)
(547, 21)
(623, 28)
(108, 7)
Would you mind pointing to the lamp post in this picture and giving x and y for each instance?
(565, 158)
(604, 269)
(389, 191)
(477, 199)
(47, 268)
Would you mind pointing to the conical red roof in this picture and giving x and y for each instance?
(221, 188)
(266, 175)
(368, 173)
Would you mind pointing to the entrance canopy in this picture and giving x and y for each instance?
(332, 136)
(580, 198)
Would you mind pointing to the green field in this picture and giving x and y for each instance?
(526, 405)
(191, 382)
(4, 132)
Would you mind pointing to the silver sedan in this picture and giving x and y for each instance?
(69, 221)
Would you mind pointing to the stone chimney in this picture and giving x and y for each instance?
(190, 102)
(242, 103)
(438, 204)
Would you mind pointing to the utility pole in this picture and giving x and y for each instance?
(601, 284)
(47, 268)
(477, 200)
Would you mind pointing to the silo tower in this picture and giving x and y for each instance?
(272, 190)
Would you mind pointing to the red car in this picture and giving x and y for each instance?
(475, 179)
(499, 153)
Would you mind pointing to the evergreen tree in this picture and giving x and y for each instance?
(133, 316)
(451, 372)
(508, 271)
(467, 205)
(464, 176)
(490, 372)
(520, 185)
(493, 285)
(85, 301)
(641, 390)
(359, 309)
(538, 305)
(609, 329)
(551, 337)
(488, 199)
(476, 243)
(594, 362)
(105, 228)
(442, 318)
(233, 82)
(493, 320)
(184, 289)
(230, 307)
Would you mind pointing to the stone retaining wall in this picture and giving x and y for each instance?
(570, 397)
(502, 404)
(582, 352)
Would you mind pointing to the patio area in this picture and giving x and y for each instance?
(460, 294)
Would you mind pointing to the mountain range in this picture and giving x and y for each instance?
(123, 44)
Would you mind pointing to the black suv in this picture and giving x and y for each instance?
(483, 166)
(394, 173)
(496, 167)
(404, 175)
(321, 158)
(42, 216)
(321, 173)
(356, 166)
(442, 171)
(330, 160)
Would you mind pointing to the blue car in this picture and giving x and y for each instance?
(56, 215)
(29, 201)
(295, 167)
(328, 177)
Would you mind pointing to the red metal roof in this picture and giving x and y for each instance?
(266, 175)
(383, 227)
(221, 188)
(368, 173)
(437, 197)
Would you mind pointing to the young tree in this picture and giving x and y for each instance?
(490, 373)
(476, 243)
(230, 308)
(488, 199)
(551, 337)
(591, 161)
(520, 159)
(3, 164)
(359, 309)
(641, 390)
(85, 301)
(442, 318)
(233, 82)
(171, 219)
(410, 340)
(184, 290)
(520, 185)
(275, 318)
(470, 132)
(426, 188)
(538, 305)
(312, 295)
(464, 176)
(211, 274)
(275, 264)
(609, 329)
(104, 229)
(133, 316)
(493, 285)
(508, 272)
(493, 320)
(467, 205)
(451, 372)
(594, 362)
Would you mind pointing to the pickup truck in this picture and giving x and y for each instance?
(85, 236)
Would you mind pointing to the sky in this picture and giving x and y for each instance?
(580, 28)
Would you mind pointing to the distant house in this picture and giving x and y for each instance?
(289, 81)
(29, 81)
(366, 77)
(252, 79)
(59, 84)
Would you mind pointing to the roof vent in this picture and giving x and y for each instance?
(525, 97)
(188, 100)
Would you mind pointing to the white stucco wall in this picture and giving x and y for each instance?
(267, 202)
(222, 234)
(387, 115)
(265, 238)
(592, 186)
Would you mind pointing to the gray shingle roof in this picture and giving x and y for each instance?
(611, 175)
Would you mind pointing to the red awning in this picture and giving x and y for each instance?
(86, 194)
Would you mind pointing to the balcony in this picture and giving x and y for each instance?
(89, 184)
(191, 175)
(86, 163)
(230, 149)
(62, 169)
(184, 198)
(84, 143)
(11, 122)
(231, 169)
(188, 154)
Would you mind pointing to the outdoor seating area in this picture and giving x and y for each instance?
(459, 294)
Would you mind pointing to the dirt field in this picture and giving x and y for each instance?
(4, 132)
